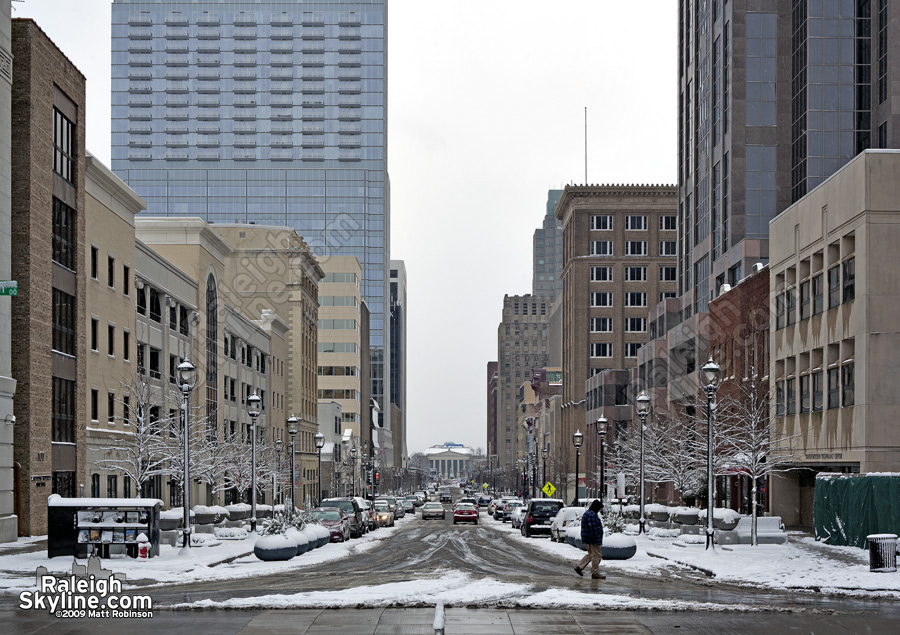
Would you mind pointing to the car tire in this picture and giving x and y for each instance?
(525, 532)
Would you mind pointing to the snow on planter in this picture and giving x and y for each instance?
(205, 515)
(238, 511)
(618, 547)
(312, 536)
(276, 547)
(300, 538)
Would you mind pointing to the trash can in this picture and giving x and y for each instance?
(882, 552)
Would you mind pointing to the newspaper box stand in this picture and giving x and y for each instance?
(83, 526)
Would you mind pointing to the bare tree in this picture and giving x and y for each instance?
(673, 454)
(749, 442)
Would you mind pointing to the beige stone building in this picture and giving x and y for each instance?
(619, 259)
(833, 338)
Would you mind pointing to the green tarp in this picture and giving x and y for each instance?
(847, 509)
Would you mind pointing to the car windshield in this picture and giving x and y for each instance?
(546, 507)
(512, 506)
(381, 507)
(433, 506)
(347, 506)
(326, 515)
(466, 506)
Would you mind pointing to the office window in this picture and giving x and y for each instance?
(779, 311)
(126, 345)
(63, 146)
(64, 235)
(95, 485)
(154, 363)
(173, 366)
(834, 388)
(601, 248)
(126, 410)
(834, 286)
(667, 274)
(94, 328)
(817, 390)
(791, 396)
(601, 325)
(111, 271)
(818, 293)
(601, 349)
(849, 279)
(155, 306)
(95, 405)
(173, 317)
(805, 303)
(63, 410)
(636, 248)
(64, 322)
(111, 407)
(636, 274)
(791, 306)
(635, 325)
(636, 222)
(631, 348)
(667, 248)
(665, 295)
(779, 398)
(634, 298)
(804, 393)
(126, 279)
(601, 298)
(110, 340)
(601, 274)
(667, 222)
(847, 393)
(95, 255)
(142, 301)
(112, 489)
(602, 223)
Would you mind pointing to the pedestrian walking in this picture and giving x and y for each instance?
(592, 537)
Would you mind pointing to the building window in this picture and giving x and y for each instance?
(635, 325)
(779, 398)
(95, 255)
(95, 486)
(173, 365)
(847, 396)
(667, 222)
(601, 298)
(64, 309)
(636, 274)
(126, 345)
(155, 306)
(141, 361)
(791, 303)
(635, 298)
(667, 274)
(112, 489)
(818, 294)
(636, 222)
(64, 250)
(601, 248)
(183, 323)
(804, 300)
(601, 325)
(94, 327)
(173, 317)
(601, 274)
(601, 349)
(63, 415)
(834, 388)
(95, 405)
(849, 279)
(154, 363)
(817, 379)
(779, 311)
(631, 348)
(126, 279)
(63, 146)
(636, 248)
(110, 340)
(882, 52)
(142, 301)
(111, 272)
(665, 295)
(667, 248)
(602, 223)
(126, 486)
(804, 393)
(110, 407)
(834, 286)
(126, 410)
(791, 396)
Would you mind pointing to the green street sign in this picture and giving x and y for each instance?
(9, 287)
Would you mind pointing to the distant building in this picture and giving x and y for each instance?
(491, 399)
(547, 252)
(450, 460)
(399, 353)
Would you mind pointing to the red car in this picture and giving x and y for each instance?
(334, 520)
(465, 513)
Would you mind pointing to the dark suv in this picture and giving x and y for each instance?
(539, 515)
(352, 509)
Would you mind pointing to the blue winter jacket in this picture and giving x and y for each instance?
(591, 529)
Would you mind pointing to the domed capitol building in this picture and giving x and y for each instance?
(450, 460)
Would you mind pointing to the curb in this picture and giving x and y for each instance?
(706, 572)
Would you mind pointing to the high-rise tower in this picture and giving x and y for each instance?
(268, 112)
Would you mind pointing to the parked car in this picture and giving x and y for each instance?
(394, 504)
(334, 520)
(384, 515)
(409, 507)
(358, 524)
(508, 509)
(368, 512)
(540, 514)
(498, 510)
(517, 515)
(563, 519)
(465, 513)
(484, 501)
(423, 497)
(433, 510)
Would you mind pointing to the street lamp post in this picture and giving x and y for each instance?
(279, 443)
(353, 453)
(293, 429)
(544, 454)
(601, 430)
(320, 443)
(576, 441)
(253, 404)
(187, 378)
(710, 372)
(643, 409)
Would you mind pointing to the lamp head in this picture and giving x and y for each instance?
(320, 440)
(253, 403)
(577, 438)
(601, 426)
(278, 444)
(643, 403)
(545, 452)
(292, 422)
(187, 375)
(710, 372)
(353, 452)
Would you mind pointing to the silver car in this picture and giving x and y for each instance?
(433, 510)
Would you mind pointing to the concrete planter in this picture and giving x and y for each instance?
(302, 541)
(273, 548)
(312, 537)
(238, 512)
(169, 524)
(687, 518)
(618, 547)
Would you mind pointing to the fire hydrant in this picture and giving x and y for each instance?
(143, 547)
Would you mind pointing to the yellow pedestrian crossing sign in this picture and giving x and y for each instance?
(548, 489)
(484, 485)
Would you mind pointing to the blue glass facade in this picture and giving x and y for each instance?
(270, 112)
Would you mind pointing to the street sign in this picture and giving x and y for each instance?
(548, 489)
(484, 485)
(9, 287)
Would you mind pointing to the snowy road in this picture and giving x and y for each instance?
(425, 562)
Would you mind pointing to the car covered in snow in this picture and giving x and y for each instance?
(564, 517)
(518, 514)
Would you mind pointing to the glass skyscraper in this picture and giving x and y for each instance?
(267, 112)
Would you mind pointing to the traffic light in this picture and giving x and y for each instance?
(377, 476)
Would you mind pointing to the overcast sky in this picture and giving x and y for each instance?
(486, 104)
